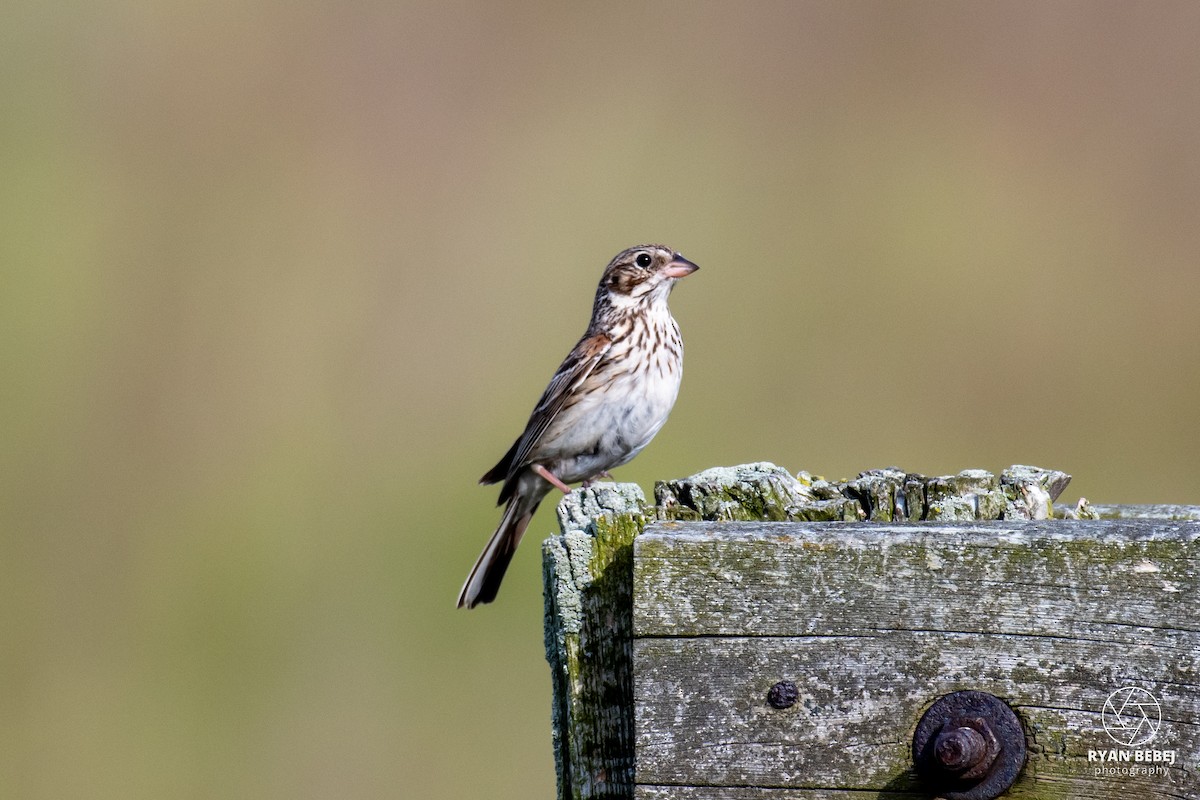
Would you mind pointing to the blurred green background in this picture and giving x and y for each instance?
(281, 280)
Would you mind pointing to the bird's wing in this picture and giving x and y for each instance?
(571, 374)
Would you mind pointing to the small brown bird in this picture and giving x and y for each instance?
(609, 397)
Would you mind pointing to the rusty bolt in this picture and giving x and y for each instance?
(969, 746)
(966, 748)
(783, 695)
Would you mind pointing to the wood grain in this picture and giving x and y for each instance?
(873, 622)
(588, 573)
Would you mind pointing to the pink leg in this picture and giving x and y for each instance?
(552, 478)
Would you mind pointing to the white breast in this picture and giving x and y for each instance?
(620, 415)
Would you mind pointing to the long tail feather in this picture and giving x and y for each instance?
(483, 582)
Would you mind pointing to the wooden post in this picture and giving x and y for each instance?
(588, 573)
(664, 650)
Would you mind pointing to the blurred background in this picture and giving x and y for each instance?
(281, 280)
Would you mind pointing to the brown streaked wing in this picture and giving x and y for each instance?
(574, 370)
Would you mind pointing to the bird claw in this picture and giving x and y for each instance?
(601, 474)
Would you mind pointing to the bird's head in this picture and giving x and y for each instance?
(642, 275)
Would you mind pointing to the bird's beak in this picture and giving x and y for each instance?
(679, 267)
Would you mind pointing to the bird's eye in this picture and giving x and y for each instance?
(643, 260)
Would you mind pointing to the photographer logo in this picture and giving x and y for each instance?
(1132, 716)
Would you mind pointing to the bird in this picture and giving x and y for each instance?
(609, 397)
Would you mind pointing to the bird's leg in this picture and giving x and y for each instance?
(552, 478)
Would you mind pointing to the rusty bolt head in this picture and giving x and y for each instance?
(783, 695)
(969, 746)
(966, 747)
(959, 749)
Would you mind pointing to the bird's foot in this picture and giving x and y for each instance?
(552, 478)
(601, 474)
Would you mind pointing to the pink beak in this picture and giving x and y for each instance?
(679, 267)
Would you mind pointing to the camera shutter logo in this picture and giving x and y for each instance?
(1131, 716)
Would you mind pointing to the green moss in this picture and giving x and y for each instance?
(613, 543)
(589, 585)
(589, 570)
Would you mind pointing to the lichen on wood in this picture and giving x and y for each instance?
(764, 491)
(873, 622)
(995, 588)
(588, 571)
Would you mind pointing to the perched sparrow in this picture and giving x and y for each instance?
(609, 397)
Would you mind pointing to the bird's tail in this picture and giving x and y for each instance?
(484, 580)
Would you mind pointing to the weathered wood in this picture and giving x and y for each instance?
(1085, 578)
(588, 572)
(873, 622)
(1165, 512)
(646, 792)
(763, 491)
